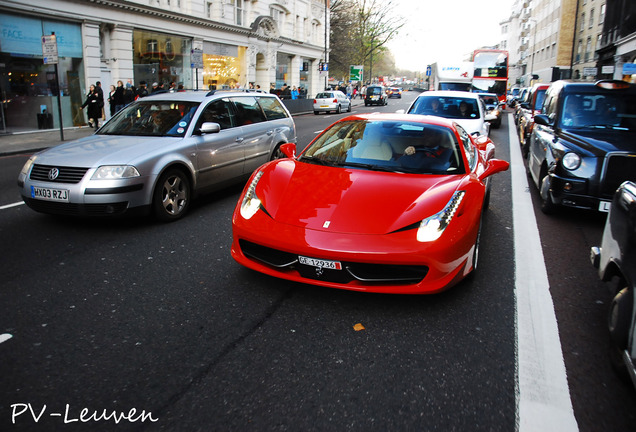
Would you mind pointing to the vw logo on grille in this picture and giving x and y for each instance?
(53, 173)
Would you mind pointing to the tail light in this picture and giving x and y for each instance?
(335, 101)
(315, 101)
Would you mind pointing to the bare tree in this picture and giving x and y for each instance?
(360, 31)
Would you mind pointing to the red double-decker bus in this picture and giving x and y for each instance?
(491, 72)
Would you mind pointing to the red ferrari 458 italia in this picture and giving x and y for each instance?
(382, 203)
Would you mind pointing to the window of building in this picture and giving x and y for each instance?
(578, 50)
(591, 18)
(239, 13)
(209, 9)
(588, 49)
(602, 15)
(582, 25)
(278, 15)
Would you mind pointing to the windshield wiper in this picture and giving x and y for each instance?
(607, 126)
(315, 160)
(369, 166)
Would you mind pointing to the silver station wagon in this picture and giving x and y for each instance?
(157, 153)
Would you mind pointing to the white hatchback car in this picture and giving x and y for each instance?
(467, 109)
(335, 101)
(158, 153)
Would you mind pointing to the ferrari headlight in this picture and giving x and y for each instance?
(110, 172)
(432, 227)
(27, 166)
(571, 161)
(251, 203)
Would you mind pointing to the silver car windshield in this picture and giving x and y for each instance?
(152, 118)
(448, 107)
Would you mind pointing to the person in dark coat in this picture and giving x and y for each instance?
(119, 97)
(94, 110)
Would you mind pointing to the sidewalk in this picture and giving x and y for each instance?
(32, 141)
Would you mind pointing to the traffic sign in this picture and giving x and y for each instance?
(356, 72)
(49, 49)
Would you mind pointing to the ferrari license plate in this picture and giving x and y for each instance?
(332, 265)
(48, 194)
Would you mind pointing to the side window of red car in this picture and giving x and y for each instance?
(467, 146)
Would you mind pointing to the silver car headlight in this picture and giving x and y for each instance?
(111, 172)
(571, 161)
(27, 166)
(251, 203)
(432, 227)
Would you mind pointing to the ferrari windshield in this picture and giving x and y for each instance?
(396, 146)
(152, 118)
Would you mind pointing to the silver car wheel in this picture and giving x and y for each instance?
(172, 196)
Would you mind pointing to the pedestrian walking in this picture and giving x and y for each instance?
(94, 107)
(119, 96)
(111, 100)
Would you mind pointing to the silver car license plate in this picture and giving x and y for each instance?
(48, 194)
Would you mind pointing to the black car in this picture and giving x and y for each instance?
(375, 95)
(616, 261)
(583, 144)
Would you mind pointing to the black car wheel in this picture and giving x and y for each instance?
(316, 112)
(338, 110)
(620, 315)
(349, 108)
(547, 205)
(171, 196)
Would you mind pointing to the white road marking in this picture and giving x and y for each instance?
(4, 207)
(5, 337)
(542, 392)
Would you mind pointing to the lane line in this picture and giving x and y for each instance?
(542, 392)
(5, 337)
(4, 207)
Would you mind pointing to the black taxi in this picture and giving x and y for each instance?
(583, 145)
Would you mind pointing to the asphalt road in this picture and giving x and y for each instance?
(114, 315)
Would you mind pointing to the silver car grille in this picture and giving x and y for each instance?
(47, 173)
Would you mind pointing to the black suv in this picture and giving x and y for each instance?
(583, 144)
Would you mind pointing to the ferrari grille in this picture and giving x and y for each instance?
(364, 273)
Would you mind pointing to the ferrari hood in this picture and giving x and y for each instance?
(350, 201)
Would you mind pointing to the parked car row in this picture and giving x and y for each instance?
(582, 144)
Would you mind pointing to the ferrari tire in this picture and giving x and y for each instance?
(476, 250)
(171, 197)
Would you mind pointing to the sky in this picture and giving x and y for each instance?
(446, 30)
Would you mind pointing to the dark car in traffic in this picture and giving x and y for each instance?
(583, 144)
(375, 95)
(527, 111)
(616, 262)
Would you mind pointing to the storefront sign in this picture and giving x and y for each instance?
(590, 71)
(629, 68)
(607, 69)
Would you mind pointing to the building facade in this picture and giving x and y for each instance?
(197, 44)
(617, 50)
